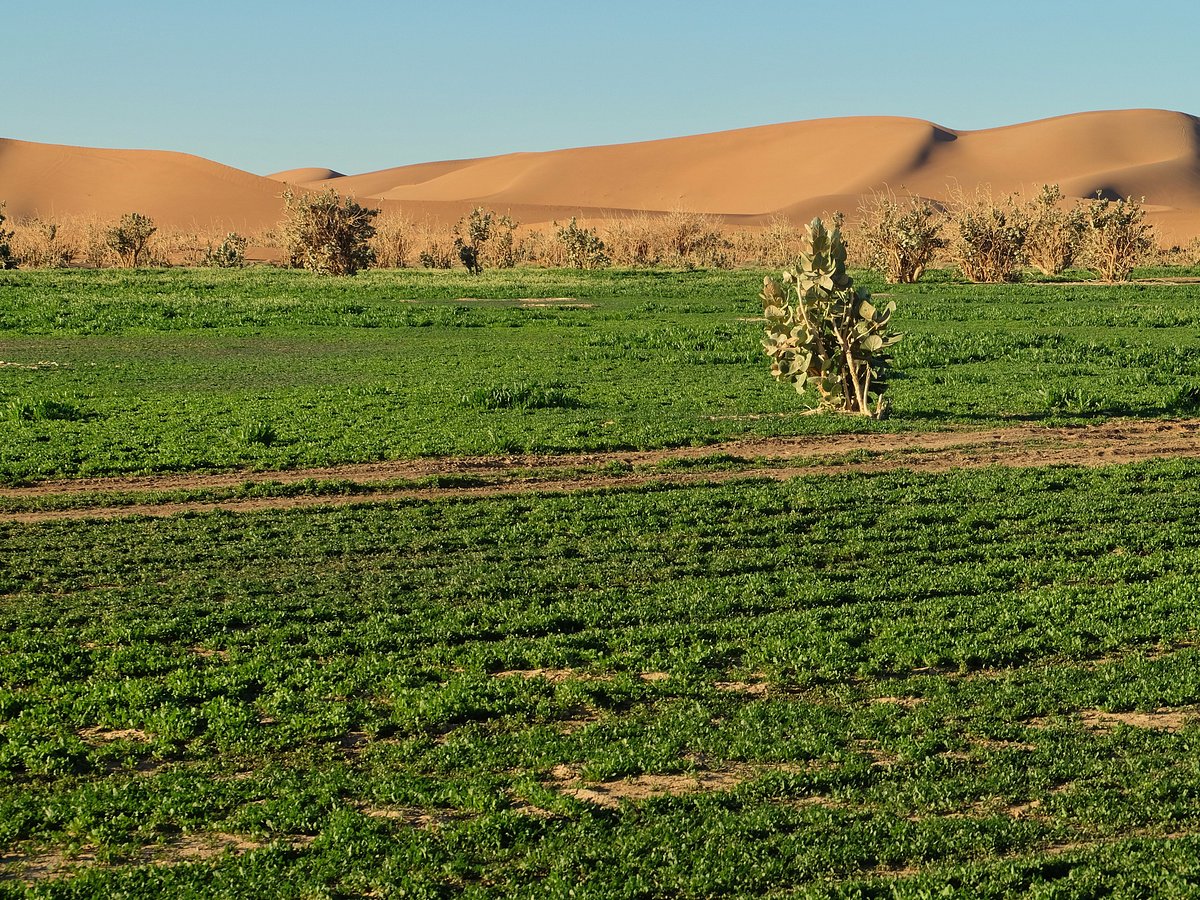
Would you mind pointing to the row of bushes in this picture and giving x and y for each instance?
(992, 240)
(987, 239)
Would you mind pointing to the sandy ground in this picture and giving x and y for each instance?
(1114, 442)
(797, 169)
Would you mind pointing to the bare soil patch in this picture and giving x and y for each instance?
(190, 848)
(612, 792)
(1114, 442)
(1161, 719)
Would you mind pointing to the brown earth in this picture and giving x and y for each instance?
(1113, 442)
(744, 176)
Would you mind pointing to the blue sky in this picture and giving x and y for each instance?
(358, 86)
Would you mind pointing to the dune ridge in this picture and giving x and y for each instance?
(745, 176)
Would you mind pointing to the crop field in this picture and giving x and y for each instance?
(106, 373)
(701, 645)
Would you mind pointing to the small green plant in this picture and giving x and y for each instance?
(821, 331)
(521, 396)
(46, 409)
(130, 238)
(7, 260)
(901, 239)
(1183, 399)
(1072, 400)
(229, 254)
(1118, 237)
(327, 234)
(258, 432)
(583, 246)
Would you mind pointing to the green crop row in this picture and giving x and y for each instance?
(893, 685)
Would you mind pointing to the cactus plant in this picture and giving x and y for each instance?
(822, 332)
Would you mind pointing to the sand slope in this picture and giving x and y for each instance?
(175, 189)
(796, 169)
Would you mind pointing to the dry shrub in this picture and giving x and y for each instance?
(776, 245)
(326, 233)
(1055, 234)
(635, 241)
(900, 237)
(42, 245)
(396, 241)
(1118, 237)
(541, 247)
(694, 239)
(987, 236)
(679, 238)
(1177, 254)
(435, 248)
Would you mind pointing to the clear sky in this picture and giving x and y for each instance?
(359, 86)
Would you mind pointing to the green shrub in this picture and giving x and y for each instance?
(46, 409)
(583, 246)
(823, 333)
(229, 254)
(521, 396)
(327, 234)
(7, 260)
(130, 238)
(471, 233)
(263, 433)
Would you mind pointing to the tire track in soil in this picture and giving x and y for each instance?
(1111, 443)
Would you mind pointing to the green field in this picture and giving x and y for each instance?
(108, 372)
(982, 683)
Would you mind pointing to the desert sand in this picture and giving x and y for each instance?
(746, 176)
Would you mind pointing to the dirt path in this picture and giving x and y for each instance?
(1114, 442)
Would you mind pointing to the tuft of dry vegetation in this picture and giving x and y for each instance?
(1118, 237)
(326, 233)
(987, 235)
(1055, 235)
(900, 238)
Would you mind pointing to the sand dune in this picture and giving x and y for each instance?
(304, 176)
(746, 176)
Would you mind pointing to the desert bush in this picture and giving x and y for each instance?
(900, 238)
(7, 258)
(583, 247)
(988, 237)
(229, 254)
(1118, 238)
(823, 333)
(395, 241)
(777, 245)
(694, 239)
(1055, 234)
(501, 249)
(471, 233)
(437, 249)
(130, 238)
(541, 247)
(42, 245)
(1177, 254)
(635, 241)
(327, 234)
